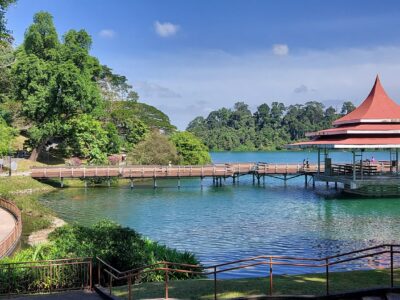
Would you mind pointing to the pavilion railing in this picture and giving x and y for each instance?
(388, 253)
(9, 243)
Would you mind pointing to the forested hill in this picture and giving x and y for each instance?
(268, 128)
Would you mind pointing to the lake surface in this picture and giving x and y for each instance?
(225, 223)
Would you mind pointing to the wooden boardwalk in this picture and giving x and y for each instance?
(146, 171)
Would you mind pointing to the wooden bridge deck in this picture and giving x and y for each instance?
(145, 171)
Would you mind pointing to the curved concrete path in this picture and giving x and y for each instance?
(7, 223)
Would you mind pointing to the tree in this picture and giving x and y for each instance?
(86, 138)
(41, 38)
(115, 87)
(5, 34)
(347, 108)
(156, 149)
(7, 134)
(191, 150)
(54, 82)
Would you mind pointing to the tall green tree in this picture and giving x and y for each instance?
(55, 82)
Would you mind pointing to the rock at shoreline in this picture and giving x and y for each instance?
(40, 236)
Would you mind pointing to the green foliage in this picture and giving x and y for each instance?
(41, 38)
(5, 34)
(7, 134)
(85, 138)
(191, 150)
(156, 149)
(126, 111)
(54, 81)
(114, 140)
(269, 128)
(122, 247)
(115, 87)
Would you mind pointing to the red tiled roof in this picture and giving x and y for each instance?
(348, 142)
(377, 108)
(385, 128)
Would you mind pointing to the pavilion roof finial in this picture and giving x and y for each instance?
(377, 107)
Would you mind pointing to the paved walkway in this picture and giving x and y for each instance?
(7, 223)
(72, 295)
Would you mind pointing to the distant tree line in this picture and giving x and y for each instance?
(270, 127)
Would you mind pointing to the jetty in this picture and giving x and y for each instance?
(218, 172)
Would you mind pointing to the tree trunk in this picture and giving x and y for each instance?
(36, 151)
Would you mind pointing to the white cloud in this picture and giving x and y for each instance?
(280, 49)
(165, 29)
(107, 33)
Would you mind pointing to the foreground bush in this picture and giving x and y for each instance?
(122, 247)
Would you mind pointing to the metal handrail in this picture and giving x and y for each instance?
(271, 260)
(8, 244)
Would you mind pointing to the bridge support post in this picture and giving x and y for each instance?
(313, 182)
(85, 183)
(254, 179)
(108, 182)
(62, 182)
(201, 182)
(233, 179)
(131, 183)
(263, 179)
(179, 183)
(258, 179)
(305, 180)
(154, 182)
(335, 185)
(284, 178)
(327, 184)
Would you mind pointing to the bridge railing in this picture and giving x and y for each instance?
(10, 242)
(386, 255)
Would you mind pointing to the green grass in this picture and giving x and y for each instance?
(24, 191)
(307, 284)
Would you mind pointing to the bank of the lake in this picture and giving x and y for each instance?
(234, 221)
(25, 192)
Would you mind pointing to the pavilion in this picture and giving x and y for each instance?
(374, 125)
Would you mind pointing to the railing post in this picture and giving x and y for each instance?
(110, 285)
(270, 276)
(130, 287)
(51, 275)
(215, 283)
(166, 281)
(90, 274)
(391, 266)
(327, 275)
(98, 272)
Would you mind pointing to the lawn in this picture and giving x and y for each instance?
(307, 284)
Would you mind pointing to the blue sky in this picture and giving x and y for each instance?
(190, 57)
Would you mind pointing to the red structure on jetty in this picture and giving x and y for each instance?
(375, 124)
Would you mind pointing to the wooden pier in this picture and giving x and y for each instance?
(217, 172)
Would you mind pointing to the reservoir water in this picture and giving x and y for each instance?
(225, 223)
